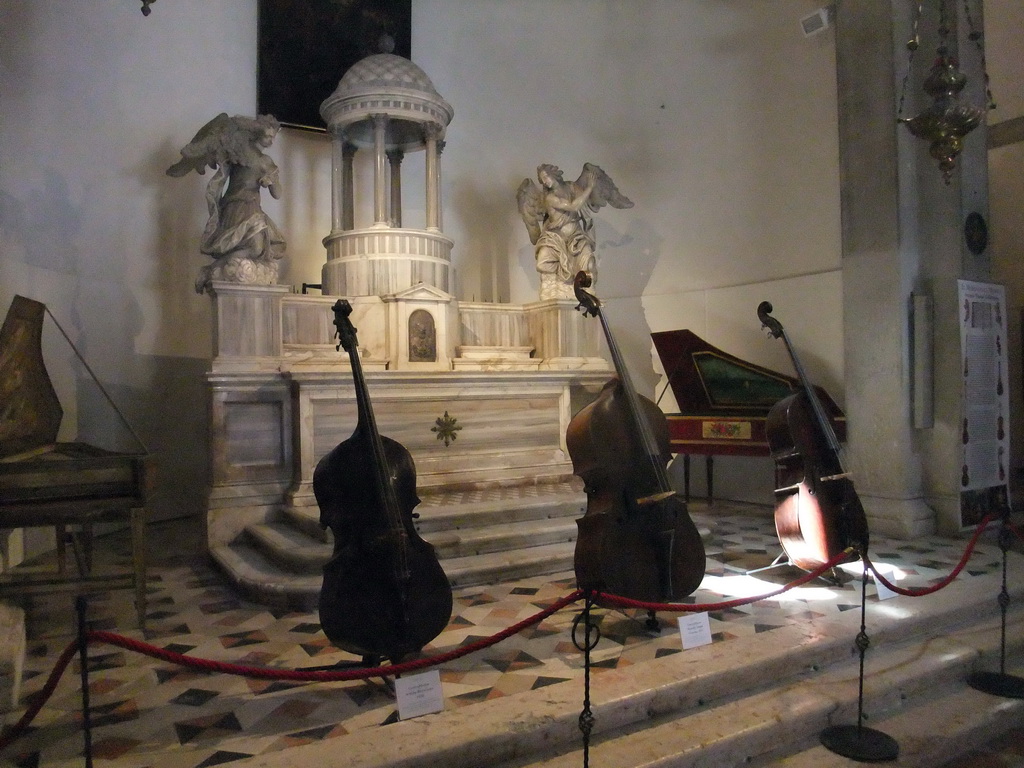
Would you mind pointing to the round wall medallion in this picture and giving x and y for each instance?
(976, 233)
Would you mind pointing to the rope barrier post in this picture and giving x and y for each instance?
(589, 643)
(865, 745)
(83, 656)
(1000, 683)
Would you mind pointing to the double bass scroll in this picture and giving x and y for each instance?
(818, 514)
(384, 593)
(636, 538)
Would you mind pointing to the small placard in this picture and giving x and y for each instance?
(884, 593)
(419, 694)
(695, 630)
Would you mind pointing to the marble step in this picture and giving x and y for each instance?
(509, 565)
(782, 725)
(263, 579)
(447, 512)
(758, 700)
(951, 721)
(492, 468)
(292, 550)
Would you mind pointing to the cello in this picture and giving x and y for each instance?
(384, 593)
(636, 538)
(817, 511)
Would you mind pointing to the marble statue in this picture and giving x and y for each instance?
(243, 241)
(559, 218)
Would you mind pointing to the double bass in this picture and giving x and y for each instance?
(636, 538)
(384, 593)
(817, 511)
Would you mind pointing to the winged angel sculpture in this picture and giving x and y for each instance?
(243, 241)
(559, 218)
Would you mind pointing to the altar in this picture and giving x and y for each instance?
(282, 396)
(480, 393)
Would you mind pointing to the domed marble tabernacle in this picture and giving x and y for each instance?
(388, 104)
(502, 378)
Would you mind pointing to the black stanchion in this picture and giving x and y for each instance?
(83, 659)
(865, 745)
(589, 643)
(1000, 683)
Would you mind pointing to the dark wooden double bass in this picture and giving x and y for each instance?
(636, 538)
(384, 593)
(817, 511)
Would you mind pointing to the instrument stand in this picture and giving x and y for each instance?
(865, 745)
(83, 655)
(367, 662)
(652, 623)
(591, 637)
(1000, 683)
(781, 561)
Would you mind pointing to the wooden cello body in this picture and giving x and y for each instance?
(636, 539)
(384, 593)
(817, 511)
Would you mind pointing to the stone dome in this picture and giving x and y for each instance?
(385, 72)
(389, 85)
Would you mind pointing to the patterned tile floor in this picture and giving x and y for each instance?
(152, 713)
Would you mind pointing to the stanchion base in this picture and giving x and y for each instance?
(997, 683)
(865, 745)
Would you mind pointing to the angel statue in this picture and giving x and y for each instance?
(559, 217)
(243, 241)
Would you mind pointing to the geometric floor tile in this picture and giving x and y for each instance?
(149, 712)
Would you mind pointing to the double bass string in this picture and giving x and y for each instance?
(382, 470)
(646, 436)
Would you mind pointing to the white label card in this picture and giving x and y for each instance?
(884, 593)
(695, 630)
(419, 694)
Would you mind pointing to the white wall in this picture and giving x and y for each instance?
(717, 117)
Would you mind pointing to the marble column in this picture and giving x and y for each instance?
(395, 160)
(380, 208)
(337, 181)
(901, 236)
(348, 218)
(432, 133)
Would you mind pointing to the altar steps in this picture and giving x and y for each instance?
(481, 537)
(760, 700)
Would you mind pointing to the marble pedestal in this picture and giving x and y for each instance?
(491, 408)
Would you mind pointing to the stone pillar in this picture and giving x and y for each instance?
(337, 181)
(440, 207)
(901, 235)
(348, 218)
(431, 135)
(395, 160)
(380, 212)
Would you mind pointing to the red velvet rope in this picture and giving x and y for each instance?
(326, 676)
(265, 673)
(922, 591)
(12, 732)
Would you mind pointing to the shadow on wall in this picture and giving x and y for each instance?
(481, 265)
(168, 412)
(625, 262)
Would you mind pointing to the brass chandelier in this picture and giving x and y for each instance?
(947, 120)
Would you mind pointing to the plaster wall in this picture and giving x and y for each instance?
(717, 118)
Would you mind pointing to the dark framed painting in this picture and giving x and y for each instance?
(305, 46)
